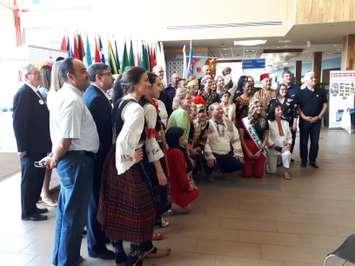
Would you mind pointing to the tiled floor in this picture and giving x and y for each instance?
(236, 222)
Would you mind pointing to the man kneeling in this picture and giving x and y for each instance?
(223, 149)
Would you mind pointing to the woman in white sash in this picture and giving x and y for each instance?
(253, 135)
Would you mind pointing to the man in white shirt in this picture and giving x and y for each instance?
(223, 149)
(75, 143)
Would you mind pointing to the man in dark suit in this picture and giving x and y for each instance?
(31, 126)
(98, 103)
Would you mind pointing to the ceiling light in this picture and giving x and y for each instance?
(250, 42)
(284, 41)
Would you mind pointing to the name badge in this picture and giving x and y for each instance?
(41, 102)
(317, 95)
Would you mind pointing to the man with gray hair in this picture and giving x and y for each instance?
(312, 104)
(31, 126)
(223, 149)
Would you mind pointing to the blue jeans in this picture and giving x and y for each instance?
(75, 173)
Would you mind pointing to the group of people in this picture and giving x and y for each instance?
(127, 151)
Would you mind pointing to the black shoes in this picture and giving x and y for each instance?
(314, 165)
(35, 217)
(303, 165)
(41, 211)
(104, 255)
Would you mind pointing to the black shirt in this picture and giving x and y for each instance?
(289, 109)
(311, 102)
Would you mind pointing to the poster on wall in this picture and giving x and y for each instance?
(341, 99)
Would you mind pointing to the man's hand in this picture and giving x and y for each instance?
(239, 158)
(211, 162)
(22, 154)
(51, 163)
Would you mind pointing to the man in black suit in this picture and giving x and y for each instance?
(31, 126)
(99, 105)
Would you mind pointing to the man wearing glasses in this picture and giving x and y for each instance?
(98, 103)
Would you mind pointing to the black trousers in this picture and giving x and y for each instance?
(226, 163)
(309, 131)
(96, 238)
(294, 133)
(31, 183)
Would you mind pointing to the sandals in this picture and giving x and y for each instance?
(155, 253)
(164, 222)
(157, 236)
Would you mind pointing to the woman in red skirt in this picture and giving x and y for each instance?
(126, 208)
(254, 133)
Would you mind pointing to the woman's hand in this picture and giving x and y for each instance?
(257, 154)
(162, 180)
(138, 155)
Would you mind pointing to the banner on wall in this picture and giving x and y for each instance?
(341, 99)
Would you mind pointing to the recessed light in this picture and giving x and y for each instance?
(284, 41)
(249, 42)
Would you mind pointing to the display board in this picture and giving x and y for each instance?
(38, 55)
(341, 99)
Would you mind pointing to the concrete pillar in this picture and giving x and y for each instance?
(317, 65)
(298, 73)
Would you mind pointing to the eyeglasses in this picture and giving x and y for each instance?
(106, 73)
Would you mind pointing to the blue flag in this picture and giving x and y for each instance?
(70, 52)
(88, 53)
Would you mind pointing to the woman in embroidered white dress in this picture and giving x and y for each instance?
(279, 141)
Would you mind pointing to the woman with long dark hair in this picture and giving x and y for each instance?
(280, 140)
(126, 208)
(289, 109)
(183, 189)
(155, 146)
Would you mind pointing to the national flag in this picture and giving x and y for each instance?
(117, 59)
(190, 64)
(63, 44)
(152, 58)
(145, 58)
(131, 55)
(101, 49)
(184, 66)
(111, 59)
(69, 50)
(161, 59)
(125, 60)
(81, 48)
(88, 52)
(76, 51)
(97, 52)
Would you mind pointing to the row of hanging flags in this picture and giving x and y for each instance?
(150, 54)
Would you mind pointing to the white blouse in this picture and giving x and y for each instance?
(274, 134)
(163, 114)
(152, 147)
(229, 111)
(129, 137)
